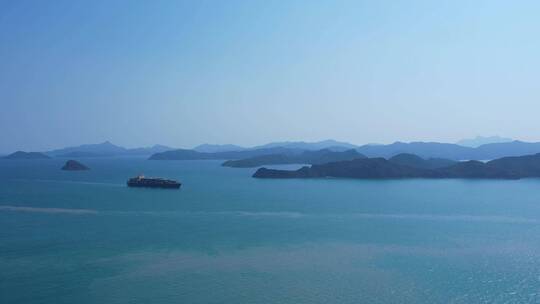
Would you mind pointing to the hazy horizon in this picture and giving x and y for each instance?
(247, 73)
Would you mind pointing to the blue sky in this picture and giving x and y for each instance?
(182, 73)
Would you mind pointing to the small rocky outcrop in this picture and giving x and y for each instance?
(73, 165)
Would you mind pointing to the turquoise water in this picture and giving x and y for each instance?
(83, 237)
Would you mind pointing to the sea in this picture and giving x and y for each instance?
(225, 237)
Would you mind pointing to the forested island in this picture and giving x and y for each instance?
(411, 166)
(306, 157)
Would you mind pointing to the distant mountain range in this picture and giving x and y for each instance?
(481, 140)
(90, 150)
(185, 154)
(208, 148)
(26, 155)
(336, 145)
(414, 167)
(232, 152)
(452, 151)
(294, 145)
(105, 149)
(422, 149)
(328, 144)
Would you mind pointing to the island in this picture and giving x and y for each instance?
(186, 154)
(306, 157)
(73, 165)
(26, 155)
(379, 168)
(415, 161)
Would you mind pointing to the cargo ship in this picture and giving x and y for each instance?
(152, 182)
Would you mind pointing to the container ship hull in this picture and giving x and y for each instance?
(143, 182)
